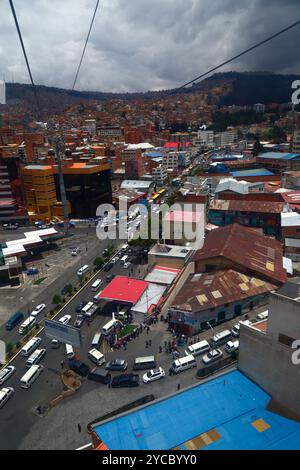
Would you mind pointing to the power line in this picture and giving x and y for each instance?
(86, 42)
(240, 55)
(24, 51)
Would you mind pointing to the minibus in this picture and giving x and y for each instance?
(96, 341)
(14, 320)
(147, 362)
(84, 269)
(70, 351)
(35, 357)
(95, 286)
(183, 363)
(29, 347)
(27, 325)
(108, 327)
(96, 356)
(220, 338)
(124, 259)
(31, 375)
(197, 348)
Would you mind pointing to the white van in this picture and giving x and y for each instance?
(35, 357)
(30, 346)
(263, 315)
(96, 356)
(86, 308)
(220, 338)
(96, 340)
(108, 327)
(183, 363)
(70, 351)
(95, 286)
(124, 259)
(31, 375)
(124, 247)
(84, 269)
(197, 348)
(27, 324)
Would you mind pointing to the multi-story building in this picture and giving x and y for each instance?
(225, 139)
(204, 139)
(160, 175)
(170, 161)
(87, 186)
(134, 163)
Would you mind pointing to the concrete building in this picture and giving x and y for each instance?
(279, 161)
(225, 139)
(204, 139)
(266, 350)
(160, 175)
(259, 107)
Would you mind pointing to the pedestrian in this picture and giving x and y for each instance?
(150, 342)
(160, 349)
(178, 387)
(79, 427)
(62, 364)
(146, 344)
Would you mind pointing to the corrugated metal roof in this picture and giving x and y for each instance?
(252, 172)
(246, 247)
(278, 156)
(269, 207)
(290, 219)
(225, 286)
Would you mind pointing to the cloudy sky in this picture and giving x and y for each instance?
(139, 45)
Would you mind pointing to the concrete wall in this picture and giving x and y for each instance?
(268, 363)
(285, 316)
(177, 286)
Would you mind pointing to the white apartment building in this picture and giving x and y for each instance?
(204, 139)
(160, 175)
(171, 161)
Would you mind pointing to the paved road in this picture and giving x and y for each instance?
(17, 413)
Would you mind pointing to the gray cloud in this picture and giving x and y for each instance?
(138, 45)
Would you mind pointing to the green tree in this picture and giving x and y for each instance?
(257, 148)
(56, 299)
(98, 262)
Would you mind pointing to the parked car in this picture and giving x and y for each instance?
(114, 260)
(154, 374)
(79, 321)
(75, 251)
(10, 226)
(32, 271)
(212, 356)
(55, 344)
(263, 315)
(127, 265)
(232, 346)
(107, 267)
(65, 319)
(109, 277)
(80, 306)
(6, 373)
(79, 367)
(5, 394)
(38, 309)
(125, 380)
(117, 364)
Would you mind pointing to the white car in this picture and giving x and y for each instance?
(212, 356)
(154, 374)
(126, 265)
(235, 331)
(263, 315)
(6, 373)
(232, 346)
(75, 252)
(5, 394)
(114, 260)
(38, 309)
(65, 319)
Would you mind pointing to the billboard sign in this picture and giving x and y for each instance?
(64, 333)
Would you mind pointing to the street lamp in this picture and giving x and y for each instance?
(208, 323)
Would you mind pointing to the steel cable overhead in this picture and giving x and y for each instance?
(24, 53)
(86, 42)
(239, 55)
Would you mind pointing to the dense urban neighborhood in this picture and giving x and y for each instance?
(150, 264)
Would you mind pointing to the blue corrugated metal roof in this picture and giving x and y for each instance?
(230, 406)
(252, 172)
(279, 156)
(154, 154)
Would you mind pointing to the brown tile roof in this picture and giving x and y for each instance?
(209, 290)
(247, 248)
